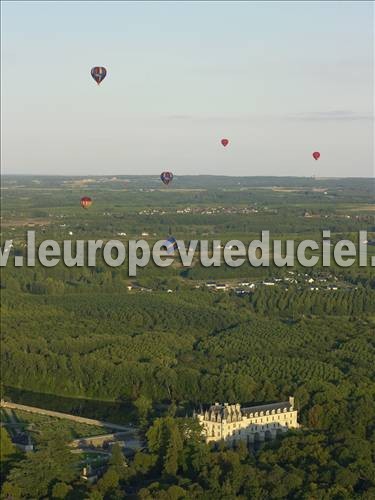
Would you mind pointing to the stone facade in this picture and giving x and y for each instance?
(256, 423)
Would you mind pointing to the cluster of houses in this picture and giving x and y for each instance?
(152, 211)
(203, 210)
(225, 210)
(323, 281)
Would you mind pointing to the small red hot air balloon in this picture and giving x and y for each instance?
(224, 142)
(316, 155)
(98, 73)
(86, 202)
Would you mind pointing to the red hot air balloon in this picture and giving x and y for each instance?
(224, 142)
(316, 155)
(166, 177)
(98, 73)
(86, 202)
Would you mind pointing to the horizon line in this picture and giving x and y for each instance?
(190, 175)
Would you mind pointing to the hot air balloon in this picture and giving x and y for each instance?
(98, 73)
(86, 202)
(224, 142)
(166, 177)
(171, 244)
(316, 155)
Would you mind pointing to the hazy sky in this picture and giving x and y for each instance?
(280, 80)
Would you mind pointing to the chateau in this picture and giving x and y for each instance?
(256, 423)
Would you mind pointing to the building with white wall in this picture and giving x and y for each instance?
(255, 423)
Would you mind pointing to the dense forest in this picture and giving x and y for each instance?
(81, 333)
(186, 347)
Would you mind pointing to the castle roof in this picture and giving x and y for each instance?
(218, 412)
(233, 413)
(269, 407)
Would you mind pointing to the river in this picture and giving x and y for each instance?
(116, 412)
